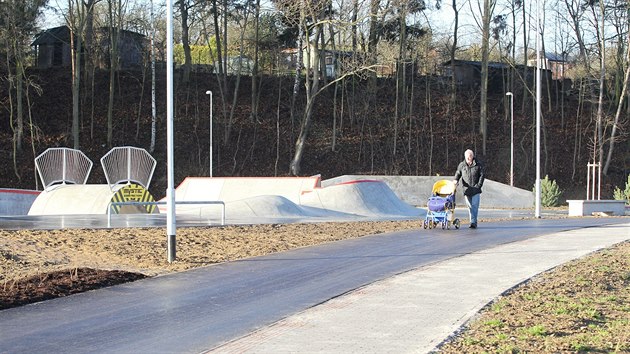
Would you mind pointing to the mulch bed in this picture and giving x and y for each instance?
(52, 285)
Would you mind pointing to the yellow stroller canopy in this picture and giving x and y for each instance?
(443, 188)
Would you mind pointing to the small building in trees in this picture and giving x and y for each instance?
(237, 64)
(557, 64)
(468, 73)
(332, 64)
(52, 48)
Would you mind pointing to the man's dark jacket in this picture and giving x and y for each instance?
(472, 176)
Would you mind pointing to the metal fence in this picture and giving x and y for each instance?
(63, 166)
(113, 204)
(128, 164)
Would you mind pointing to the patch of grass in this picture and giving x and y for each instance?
(470, 341)
(494, 323)
(560, 298)
(582, 307)
(537, 331)
(604, 269)
(580, 347)
(533, 296)
(498, 305)
(501, 337)
(582, 280)
(561, 311)
(509, 349)
(608, 298)
(593, 314)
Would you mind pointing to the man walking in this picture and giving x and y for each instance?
(471, 172)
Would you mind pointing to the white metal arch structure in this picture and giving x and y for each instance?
(127, 164)
(62, 166)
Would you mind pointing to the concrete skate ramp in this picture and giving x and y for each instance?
(360, 197)
(71, 199)
(278, 206)
(230, 189)
(290, 197)
(416, 190)
(16, 201)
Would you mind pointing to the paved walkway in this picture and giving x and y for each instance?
(417, 310)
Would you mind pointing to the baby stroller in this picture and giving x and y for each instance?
(441, 206)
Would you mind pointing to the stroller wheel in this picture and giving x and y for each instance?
(443, 225)
(425, 224)
(456, 223)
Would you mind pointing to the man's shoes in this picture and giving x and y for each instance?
(473, 225)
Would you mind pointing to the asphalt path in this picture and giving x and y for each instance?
(196, 310)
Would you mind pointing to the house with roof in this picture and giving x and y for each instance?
(467, 73)
(332, 66)
(558, 64)
(52, 48)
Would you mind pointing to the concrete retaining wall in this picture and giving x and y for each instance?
(16, 201)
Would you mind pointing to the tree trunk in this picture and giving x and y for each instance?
(113, 61)
(153, 107)
(453, 51)
(599, 142)
(488, 7)
(254, 113)
(183, 8)
(312, 88)
(527, 80)
(238, 78)
(19, 78)
(76, 80)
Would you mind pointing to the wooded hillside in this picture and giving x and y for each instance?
(354, 130)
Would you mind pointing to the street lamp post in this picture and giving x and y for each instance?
(511, 138)
(210, 93)
(171, 226)
(538, 110)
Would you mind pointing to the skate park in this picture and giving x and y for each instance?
(125, 201)
(289, 302)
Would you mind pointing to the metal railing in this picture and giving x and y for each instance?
(128, 164)
(214, 202)
(62, 166)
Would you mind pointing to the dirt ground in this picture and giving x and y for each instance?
(582, 306)
(39, 265)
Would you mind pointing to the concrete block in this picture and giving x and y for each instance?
(596, 207)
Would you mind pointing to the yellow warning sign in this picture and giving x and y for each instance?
(133, 193)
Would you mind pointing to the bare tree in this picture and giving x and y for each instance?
(254, 113)
(115, 15)
(620, 26)
(310, 18)
(185, 7)
(76, 20)
(242, 14)
(17, 24)
(622, 96)
(486, 18)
